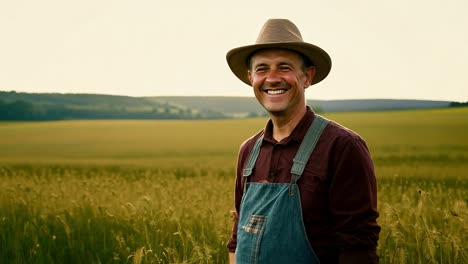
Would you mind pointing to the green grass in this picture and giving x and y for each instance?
(161, 191)
(108, 214)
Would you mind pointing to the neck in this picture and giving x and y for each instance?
(284, 125)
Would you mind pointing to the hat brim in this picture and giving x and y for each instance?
(237, 58)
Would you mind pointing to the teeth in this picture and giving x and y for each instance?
(275, 91)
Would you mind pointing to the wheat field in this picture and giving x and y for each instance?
(162, 191)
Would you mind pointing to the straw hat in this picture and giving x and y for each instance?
(279, 33)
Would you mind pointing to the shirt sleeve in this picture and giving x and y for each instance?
(238, 192)
(353, 202)
(232, 243)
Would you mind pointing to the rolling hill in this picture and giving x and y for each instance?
(54, 106)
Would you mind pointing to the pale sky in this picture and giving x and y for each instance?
(400, 49)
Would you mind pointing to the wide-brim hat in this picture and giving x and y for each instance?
(279, 33)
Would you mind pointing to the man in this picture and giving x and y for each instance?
(305, 187)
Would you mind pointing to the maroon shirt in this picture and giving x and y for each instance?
(338, 189)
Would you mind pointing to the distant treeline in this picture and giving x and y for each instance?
(54, 106)
(458, 104)
(22, 110)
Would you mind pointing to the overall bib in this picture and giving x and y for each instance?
(271, 227)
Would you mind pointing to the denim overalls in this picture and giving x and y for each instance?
(271, 228)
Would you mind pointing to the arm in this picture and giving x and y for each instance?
(353, 202)
(232, 243)
(232, 258)
(238, 192)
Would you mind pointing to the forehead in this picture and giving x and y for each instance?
(275, 54)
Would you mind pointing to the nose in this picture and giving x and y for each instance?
(273, 76)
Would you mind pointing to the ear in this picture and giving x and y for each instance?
(310, 73)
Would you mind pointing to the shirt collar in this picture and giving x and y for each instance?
(297, 134)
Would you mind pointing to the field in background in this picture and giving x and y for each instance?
(161, 191)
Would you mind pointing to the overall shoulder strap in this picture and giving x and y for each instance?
(253, 157)
(307, 146)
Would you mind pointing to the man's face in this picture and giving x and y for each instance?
(279, 80)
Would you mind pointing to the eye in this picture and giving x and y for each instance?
(261, 69)
(285, 68)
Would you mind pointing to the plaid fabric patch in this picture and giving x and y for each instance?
(255, 224)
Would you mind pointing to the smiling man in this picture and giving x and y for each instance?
(279, 78)
(305, 188)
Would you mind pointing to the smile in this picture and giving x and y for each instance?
(275, 92)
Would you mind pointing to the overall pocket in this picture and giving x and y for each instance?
(249, 238)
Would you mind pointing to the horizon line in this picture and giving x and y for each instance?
(225, 96)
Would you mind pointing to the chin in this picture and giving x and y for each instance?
(276, 111)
